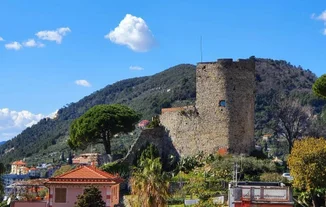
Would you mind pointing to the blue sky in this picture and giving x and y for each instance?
(60, 42)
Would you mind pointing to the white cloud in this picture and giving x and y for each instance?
(136, 68)
(134, 33)
(13, 46)
(1, 39)
(14, 122)
(53, 35)
(53, 114)
(83, 83)
(33, 43)
(321, 17)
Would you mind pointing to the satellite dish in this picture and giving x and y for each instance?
(9, 201)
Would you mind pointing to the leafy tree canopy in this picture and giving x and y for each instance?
(100, 123)
(117, 168)
(307, 163)
(319, 87)
(307, 166)
(90, 198)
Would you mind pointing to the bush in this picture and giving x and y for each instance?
(207, 203)
(117, 167)
(175, 201)
(271, 177)
(4, 204)
(252, 168)
(249, 168)
(187, 164)
(146, 151)
(154, 123)
(258, 154)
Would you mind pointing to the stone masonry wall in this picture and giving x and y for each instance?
(156, 136)
(209, 125)
(183, 128)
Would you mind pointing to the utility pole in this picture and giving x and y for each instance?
(235, 174)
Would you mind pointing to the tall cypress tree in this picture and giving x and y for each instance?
(63, 156)
(70, 159)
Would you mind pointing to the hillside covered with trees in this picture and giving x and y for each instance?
(147, 95)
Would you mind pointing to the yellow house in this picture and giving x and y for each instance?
(19, 168)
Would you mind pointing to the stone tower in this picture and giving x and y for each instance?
(225, 97)
(223, 116)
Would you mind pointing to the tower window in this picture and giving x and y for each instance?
(222, 103)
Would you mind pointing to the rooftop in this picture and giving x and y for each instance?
(86, 175)
(20, 162)
(143, 122)
(225, 60)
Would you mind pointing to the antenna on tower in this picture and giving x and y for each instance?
(201, 49)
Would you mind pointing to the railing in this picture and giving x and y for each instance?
(29, 204)
(276, 194)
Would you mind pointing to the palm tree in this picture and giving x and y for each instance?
(149, 185)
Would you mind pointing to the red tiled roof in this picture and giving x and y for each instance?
(143, 123)
(20, 162)
(86, 175)
(31, 182)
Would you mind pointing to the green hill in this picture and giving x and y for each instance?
(173, 87)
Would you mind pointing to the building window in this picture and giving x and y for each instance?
(222, 103)
(60, 195)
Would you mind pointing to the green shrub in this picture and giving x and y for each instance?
(154, 123)
(259, 154)
(4, 204)
(271, 177)
(146, 151)
(187, 164)
(175, 201)
(207, 203)
(117, 167)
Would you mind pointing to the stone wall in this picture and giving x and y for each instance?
(183, 128)
(224, 113)
(156, 136)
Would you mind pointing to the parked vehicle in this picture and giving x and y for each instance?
(287, 176)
